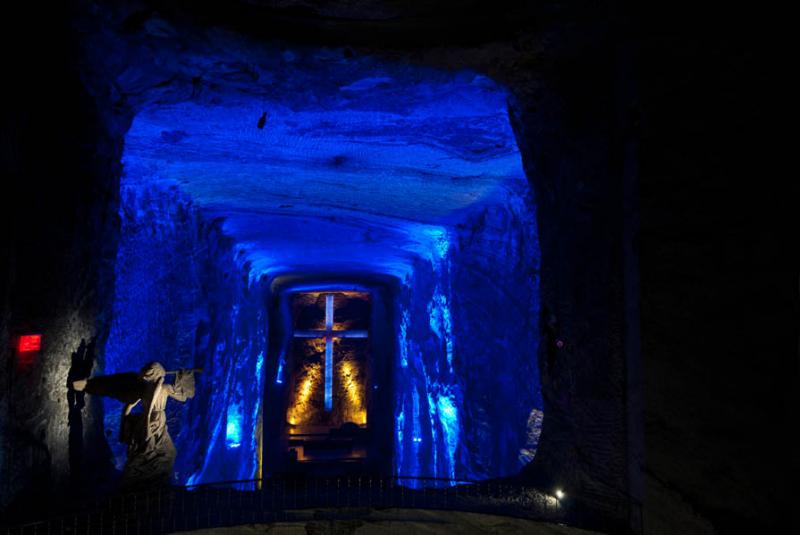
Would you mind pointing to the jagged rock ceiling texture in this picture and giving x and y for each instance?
(309, 161)
(320, 161)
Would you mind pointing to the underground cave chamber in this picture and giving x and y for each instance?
(348, 248)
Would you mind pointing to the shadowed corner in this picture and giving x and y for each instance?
(82, 362)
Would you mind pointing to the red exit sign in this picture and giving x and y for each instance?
(29, 343)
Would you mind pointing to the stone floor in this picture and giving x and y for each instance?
(406, 521)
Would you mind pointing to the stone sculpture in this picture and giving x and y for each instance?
(151, 453)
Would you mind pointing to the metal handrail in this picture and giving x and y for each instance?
(231, 502)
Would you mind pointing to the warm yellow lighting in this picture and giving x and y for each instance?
(559, 494)
(349, 379)
(301, 410)
(317, 345)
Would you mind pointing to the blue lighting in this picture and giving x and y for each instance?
(441, 322)
(328, 376)
(329, 353)
(417, 430)
(360, 166)
(404, 339)
(233, 430)
(279, 374)
(432, 418)
(255, 415)
(172, 301)
(363, 166)
(440, 243)
(259, 365)
(448, 420)
(398, 432)
(466, 361)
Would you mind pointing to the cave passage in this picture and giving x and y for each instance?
(321, 181)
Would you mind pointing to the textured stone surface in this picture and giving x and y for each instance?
(185, 297)
(322, 160)
(56, 270)
(467, 375)
(708, 257)
(318, 161)
(718, 333)
(129, 81)
(355, 159)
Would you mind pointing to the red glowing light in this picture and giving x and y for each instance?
(30, 342)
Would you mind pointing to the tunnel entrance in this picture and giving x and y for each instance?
(328, 380)
(329, 408)
(393, 191)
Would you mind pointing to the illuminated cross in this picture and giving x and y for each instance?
(329, 334)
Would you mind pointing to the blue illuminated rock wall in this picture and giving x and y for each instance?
(315, 160)
(182, 298)
(469, 402)
(429, 397)
(495, 309)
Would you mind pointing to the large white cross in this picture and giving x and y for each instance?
(329, 334)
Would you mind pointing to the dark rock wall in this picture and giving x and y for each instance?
(719, 296)
(568, 138)
(60, 166)
(714, 319)
(122, 83)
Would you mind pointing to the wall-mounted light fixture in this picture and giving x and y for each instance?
(27, 347)
(29, 343)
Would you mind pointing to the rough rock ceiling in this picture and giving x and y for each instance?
(318, 161)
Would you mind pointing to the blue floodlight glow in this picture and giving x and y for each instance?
(324, 163)
(172, 303)
(417, 431)
(440, 243)
(356, 174)
(233, 430)
(432, 416)
(441, 322)
(403, 339)
(279, 374)
(448, 418)
(329, 353)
